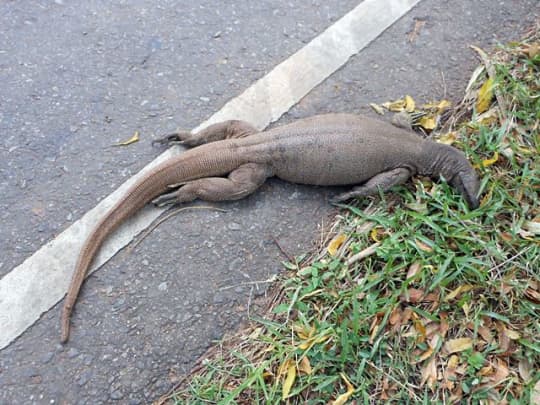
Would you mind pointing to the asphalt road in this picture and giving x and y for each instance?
(77, 77)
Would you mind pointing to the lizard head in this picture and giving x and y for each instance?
(468, 184)
(451, 164)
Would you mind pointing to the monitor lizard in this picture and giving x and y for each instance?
(232, 159)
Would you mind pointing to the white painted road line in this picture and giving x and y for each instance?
(41, 281)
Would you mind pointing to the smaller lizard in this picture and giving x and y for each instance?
(232, 159)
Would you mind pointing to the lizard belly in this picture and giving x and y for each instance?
(330, 165)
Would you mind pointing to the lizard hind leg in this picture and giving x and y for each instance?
(216, 132)
(240, 183)
(382, 181)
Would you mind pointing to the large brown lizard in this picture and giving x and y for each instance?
(332, 149)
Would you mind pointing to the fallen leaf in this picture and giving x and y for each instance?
(395, 316)
(429, 373)
(448, 138)
(458, 291)
(413, 34)
(533, 50)
(395, 106)
(289, 380)
(133, 139)
(413, 269)
(458, 345)
(336, 243)
(304, 366)
(344, 397)
(525, 369)
(501, 372)
(378, 109)
(419, 327)
(409, 104)
(532, 295)
(424, 356)
(428, 122)
(532, 226)
(485, 95)
(488, 162)
(535, 394)
(512, 334)
(412, 295)
(423, 246)
(443, 105)
(485, 333)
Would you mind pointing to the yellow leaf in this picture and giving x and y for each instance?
(289, 380)
(453, 362)
(447, 139)
(344, 397)
(489, 162)
(335, 243)
(458, 345)
(305, 366)
(409, 104)
(428, 122)
(512, 334)
(461, 289)
(485, 95)
(443, 105)
(378, 109)
(133, 139)
(420, 328)
(375, 235)
(395, 106)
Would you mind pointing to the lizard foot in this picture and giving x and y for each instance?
(166, 199)
(177, 138)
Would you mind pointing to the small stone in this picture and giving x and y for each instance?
(233, 226)
(72, 353)
(47, 357)
(84, 377)
(162, 286)
(116, 395)
(204, 99)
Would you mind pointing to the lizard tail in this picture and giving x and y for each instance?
(193, 164)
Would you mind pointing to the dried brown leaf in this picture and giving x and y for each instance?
(525, 369)
(414, 269)
(304, 366)
(423, 246)
(429, 373)
(458, 345)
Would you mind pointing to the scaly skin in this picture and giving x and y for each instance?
(332, 149)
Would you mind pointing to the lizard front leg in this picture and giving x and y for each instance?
(215, 132)
(240, 183)
(382, 181)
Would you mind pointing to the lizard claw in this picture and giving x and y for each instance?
(177, 138)
(165, 199)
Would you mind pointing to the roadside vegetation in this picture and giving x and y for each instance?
(414, 298)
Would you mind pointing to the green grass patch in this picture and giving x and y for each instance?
(417, 299)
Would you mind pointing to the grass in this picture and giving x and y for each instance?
(415, 298)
